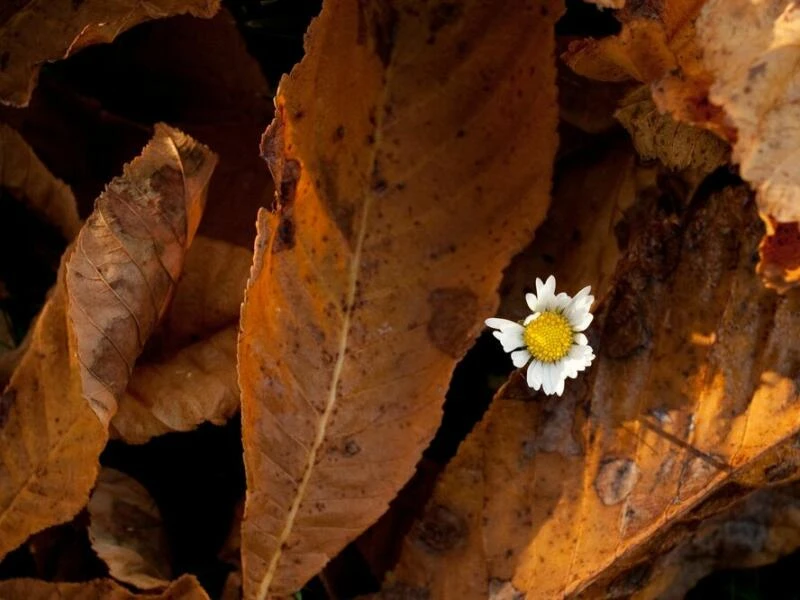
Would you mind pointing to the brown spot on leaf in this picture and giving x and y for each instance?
(616, 479)
(454, 312)
(440, 530)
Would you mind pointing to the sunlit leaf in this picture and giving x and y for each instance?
(412, 153)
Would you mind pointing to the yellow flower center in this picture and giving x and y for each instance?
(548, 337)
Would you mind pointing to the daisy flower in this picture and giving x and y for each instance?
(550, 338)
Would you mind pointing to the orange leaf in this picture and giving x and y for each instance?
(412, 151)
(114, 285)
(36, 32)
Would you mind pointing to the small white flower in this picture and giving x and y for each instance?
(550, 338)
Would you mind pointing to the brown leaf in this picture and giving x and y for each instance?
(32, 33)
(412, 154)
(694, 387)
(115, 283)
(187, 375)
(657, 135)
(126, 531)
(656, 37)
(184, 588)
(656, 46)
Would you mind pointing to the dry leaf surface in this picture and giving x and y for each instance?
(37, 31)
(184, 588)
(694, 386)
(677, 145)
(126, 531)
(412, 153)
(187, 375)
(114, 285)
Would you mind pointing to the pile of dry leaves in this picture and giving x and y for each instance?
(198, 266)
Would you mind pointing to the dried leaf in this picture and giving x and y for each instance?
(657, 37)
(187, 375)
(656, 46)
(184, 588)
(679, 146)
(126, 531)
(694, 387)
(114, 285)
(33, 33)
(412, 152)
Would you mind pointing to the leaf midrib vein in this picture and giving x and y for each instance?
(330, 404)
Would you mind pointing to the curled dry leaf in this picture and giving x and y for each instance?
(33, 33)
(187, 374)
(677, 145)
(656, 46)
(694, 387)
(126, 531)
(185, 587)
(656, 38)
(114, 285)
(412, 151)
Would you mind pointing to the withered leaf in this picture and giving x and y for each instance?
(677, 145)
(187, 375)
(115, 283)
(412, 152)
(185, 587)
(33, 33)
(126, 531)
(694, 387)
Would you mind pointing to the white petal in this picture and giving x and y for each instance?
(561, 301)
(580, 339)
(530, 318)
(534, 375)
(545, 293)
(547, 378)
(511, 337)
(560, 386)
(532, 301)
(501, 324)
(520, 358)
(583, 323)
